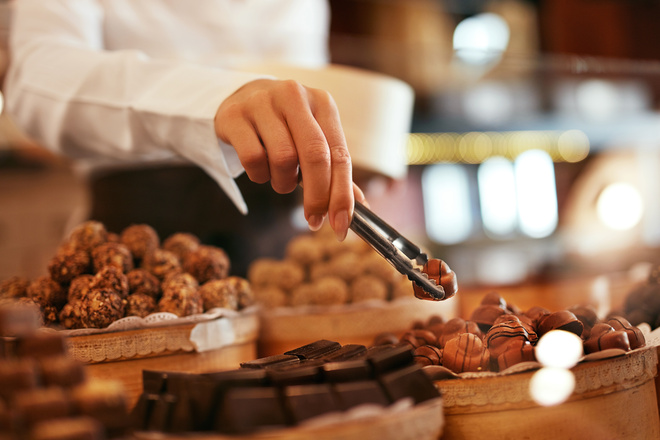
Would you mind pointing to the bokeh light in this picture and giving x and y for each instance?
(559, 348)
(620, 206)
(551, 386)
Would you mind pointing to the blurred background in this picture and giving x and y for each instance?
(534, 151)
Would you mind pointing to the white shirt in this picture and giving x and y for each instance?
(141, 80)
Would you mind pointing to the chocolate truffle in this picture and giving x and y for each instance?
(68, 264)
(560, 320)
(501, 335)
(143, 282)
(270, 297)
(486, 314)
(79, 287)
(465, 353)
(139, 304)
(112, 254)
(70, 317)
(220, 294)
(517, 351)
(428, 355)
(586, 314)
(603, 337)
(286, 274)
(87, 235)
(101, 307)
(243, 290)
(180, 243)
(329, 291)
(14, 287)
(440, 272)
(347, 267)
(46, 291)
(206, 263)
(181, 295)
(111, 278)
(418, 337)
(635, 335)
(260, 272)
(368, 287)
(139, 239)
(304, 250)
(161, 263)
(456, 326)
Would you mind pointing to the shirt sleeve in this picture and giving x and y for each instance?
(75, 98)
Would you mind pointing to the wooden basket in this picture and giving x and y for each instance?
(284, 329)
(614, 398)
(196, 347)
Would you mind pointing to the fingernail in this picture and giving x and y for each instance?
(341, 225)
(315, 222)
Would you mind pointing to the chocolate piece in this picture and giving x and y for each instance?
(561, 320)
(181, 295)
(502, 334)
(440, 272)
(70, 316)
(354, 393)
(79, 287)
(428, 355)
(270, 297)
(455, 327)
(517, 351)
(70, 428)
(310, 371)
(139, 304)
(346, 371)
(139, 240)
(586, 314)
(105, 401)
(536, 313)
(635, 335)
(366, 288)
(46, 291)
(181, 243)
(246, 410)
(389, 357)
(18, 375)
(386, 338)
(161, 263)
(40, 404)
(409, 382)
(219, 293)
(67, 264)
(153, 382)
(486, 314)
(14, 287)
(307, 401)
(269, 361)
(304, 249)
(315, 349)
(112, 254)
(162, 409)
(88, 235)
(348, 351)
(603, 337)
(417, 338)
(101, 308)
(326, 291)
(41, 344)
(62, 371)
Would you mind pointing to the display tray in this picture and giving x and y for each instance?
(209, 342)
(286, 328)
(419, 422)
(614, 398)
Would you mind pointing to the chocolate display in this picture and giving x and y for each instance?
(283, 390)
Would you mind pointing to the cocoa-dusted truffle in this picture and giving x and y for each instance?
(428, 355)
(79, 287)
(112, 254)
(67, 264)
(111, 278)
(560, 320)
(14, 287)
(181, 295)
(270, 297)
(139, 304)
(465, 353)
(243, 290)
(368, 287)
(139, 239)
(329, 291)
(207, 263)
(161, 263)
(180, 243)
(70, 317)
(440, 272)
(635, 335)
(219, 293)
(286, 274)
(101, 307)
(305, 250)
(455, 327)
(603, 337)
(87, 235)
(143, 282)
(260, 272)
(46, 291)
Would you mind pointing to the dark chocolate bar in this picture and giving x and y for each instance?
(350, 394)
(248, 409)
(307, 401)
(410, 381)
(271, 361)
(314, 350)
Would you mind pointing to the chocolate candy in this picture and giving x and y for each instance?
(419, 337)
(248, 409)
(455, 327)
(354, 393)
(309, 400)
(409, 381)
(440, 272)
(269, 361)
(561, 320)
(486, 314)
(635, 335)
(315, 349)
(517, 351)
(346, 371)
(603, 337)
(466, 353)
(428, 355)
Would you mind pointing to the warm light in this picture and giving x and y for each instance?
(551, 386)
(559, 348)
(537, 193)
(481, 39)
(573, 145)
(488, 103)
(497, 196)
(446, 194)
(597, 99)
(620, 206)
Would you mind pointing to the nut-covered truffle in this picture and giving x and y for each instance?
(111, 278)
(161, 263)
(304, 250)
(79, 287)
(46, 291)
(181, 295)
(112, 254)
(270, 297)
(14, 287)
(139, 239)
(139, 304)
(101, 307)
(143, 282)
(329, 291)
(220, 294)
(368, 287)
(207, 263)
(67, 264)
(70, 316)
(88, 235)
(181, 243)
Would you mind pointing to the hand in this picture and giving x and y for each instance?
(284, 132)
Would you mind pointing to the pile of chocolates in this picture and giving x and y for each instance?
(44, 393)
(319, 270)
(281, 390)
(97, 277)
(498, 335)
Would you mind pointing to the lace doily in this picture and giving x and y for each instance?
(163, 333)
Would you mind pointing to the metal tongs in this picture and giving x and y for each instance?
(395, 248)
